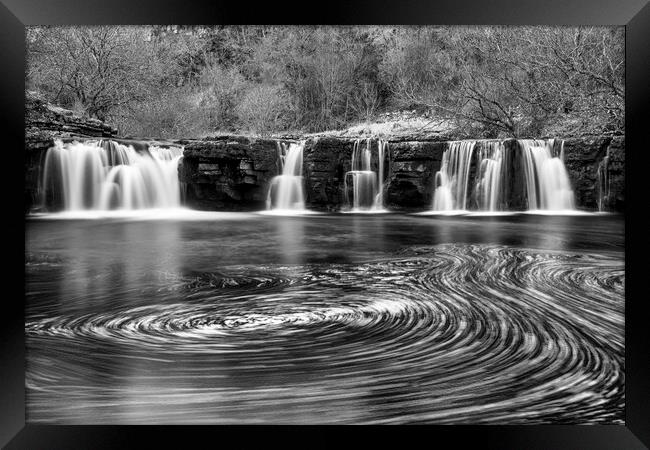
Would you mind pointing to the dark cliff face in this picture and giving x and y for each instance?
(228, 172)
(413, 168)
(582, 158)
(325, 162)
(234, 172)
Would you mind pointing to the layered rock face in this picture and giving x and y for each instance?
(414, 165)
(582, 158)
(326, 160)
(43, 120)
(228, 172)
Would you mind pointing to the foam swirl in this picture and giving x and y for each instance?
(443, 334)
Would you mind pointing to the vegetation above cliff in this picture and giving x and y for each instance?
(171, 81)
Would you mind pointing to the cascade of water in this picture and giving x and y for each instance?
(361, 156)
(603, 184)
(382, 151)
(363, 179)
(367, 187)
(286, 191)
(104, 175)
(547, 181)
(452, 179)
(491, 176)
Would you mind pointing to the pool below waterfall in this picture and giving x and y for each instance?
(325, 318)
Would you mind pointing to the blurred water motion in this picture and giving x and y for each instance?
(326, 319)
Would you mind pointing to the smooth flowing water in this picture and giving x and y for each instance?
(382, 152)
(459, 187)
(374, 319)
(286, 192)
(547, 181)
(603, 183)
(453, 178)
(364, 188)
(490, 184)
(106, 175)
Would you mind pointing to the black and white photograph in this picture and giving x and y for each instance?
(325, 224)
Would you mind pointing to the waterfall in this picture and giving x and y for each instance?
(603, 183)
(547, 181)
(490, 184)
(367, 187)
(286, 191)
(452, 179)
(103, 175)
(382, 151)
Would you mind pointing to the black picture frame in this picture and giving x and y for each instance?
(15, 15)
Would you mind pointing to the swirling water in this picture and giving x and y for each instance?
(326, 319)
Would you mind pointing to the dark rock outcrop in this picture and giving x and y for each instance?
(616, 169)
(583, 156)
(413, 168)
(228, 172)
(325, 162)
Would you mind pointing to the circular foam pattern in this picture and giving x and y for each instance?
(443, 334)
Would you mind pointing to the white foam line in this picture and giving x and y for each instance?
(287, 212)
(369, 211)
(541, 212)
(455, 212)
(562, 212)
(191, 214)
(142, 214)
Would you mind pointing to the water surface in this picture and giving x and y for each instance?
(250, 318)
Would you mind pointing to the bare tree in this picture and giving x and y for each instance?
(511, 80)
(97, 69)
(488, 81)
